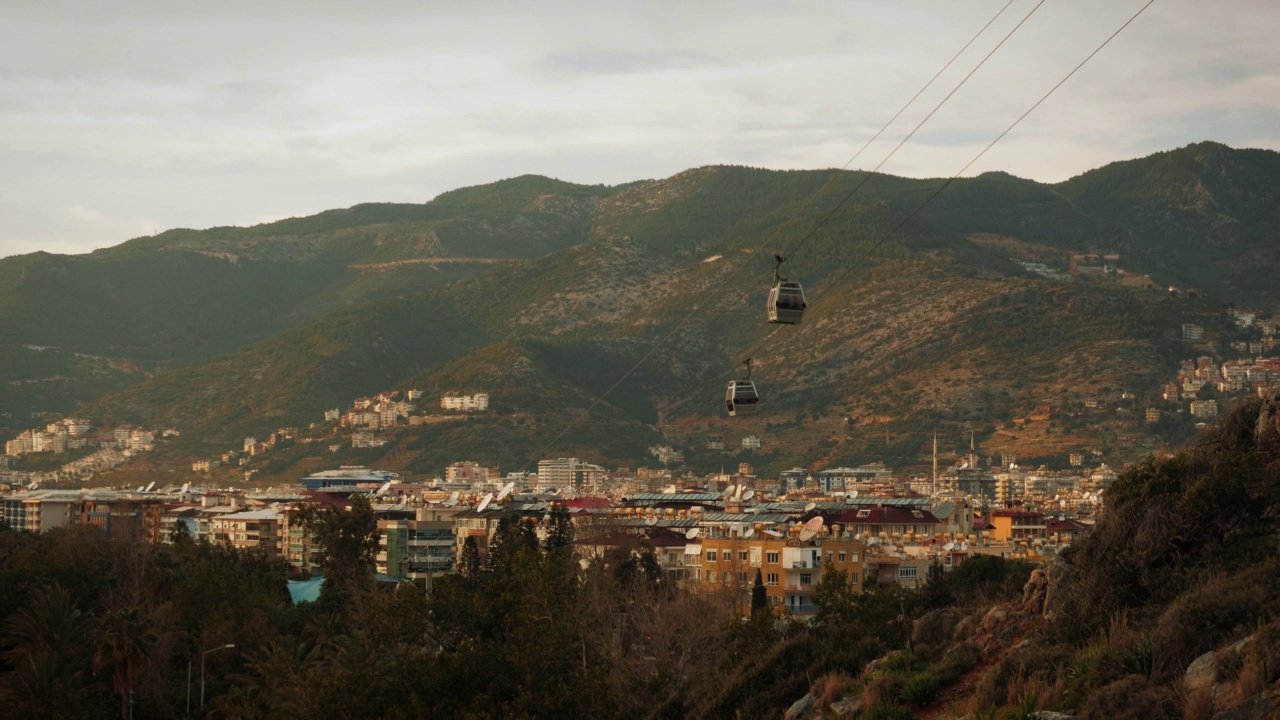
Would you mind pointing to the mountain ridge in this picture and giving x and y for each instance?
(600, 274)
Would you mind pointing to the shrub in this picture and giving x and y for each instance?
(920, 689)
(1130, 698)
(887, 712)
(882, 690)
(956, 662)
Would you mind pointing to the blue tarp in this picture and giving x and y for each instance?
(305, 590)
(301, 591)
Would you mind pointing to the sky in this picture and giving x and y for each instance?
(123, 119)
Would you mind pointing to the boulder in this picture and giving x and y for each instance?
(1202, 672)
(801, 707)
(1057, 573)
(849, 707)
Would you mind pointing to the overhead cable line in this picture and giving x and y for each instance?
(809, 201)
(887, 236)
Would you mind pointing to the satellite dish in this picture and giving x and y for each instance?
(150, 487)
(853, 493)
(693, 533)
(748, 494)
(738, 493)
(453, 496)
(773, 533)
(964, 547)
(383, 490)
(185, 488)
(750, 532)
(949, 546)
(139, 488)
(810, 529)
(873, 541)
(728, 492)
(484, 503)
(505, 491)
(810, 507)
(651, 521)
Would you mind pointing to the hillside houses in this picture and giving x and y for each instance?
(465, 403)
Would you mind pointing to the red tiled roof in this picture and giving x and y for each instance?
(584, 503)
(1065, 525)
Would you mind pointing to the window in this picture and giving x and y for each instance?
(853, 557)
(829, 556)
(864, 513)
(907, 573)
(772, 558)
(771, 580)
(742, 555)
(711, 556)
(806, 578)
(843, 556)
(853, 578)
(742, 577)
(711, 576)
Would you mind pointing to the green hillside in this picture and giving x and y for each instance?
(934, 328)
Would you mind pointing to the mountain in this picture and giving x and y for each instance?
(934, 327)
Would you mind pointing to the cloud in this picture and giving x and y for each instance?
(177, 115)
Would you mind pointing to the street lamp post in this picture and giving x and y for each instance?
(202, 656)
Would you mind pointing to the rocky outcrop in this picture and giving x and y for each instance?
(1257, 707)
(801, 707)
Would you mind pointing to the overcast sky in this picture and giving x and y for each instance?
(120, 119)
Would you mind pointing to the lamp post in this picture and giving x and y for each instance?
(202, 656)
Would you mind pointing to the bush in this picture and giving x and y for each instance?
(1130, 698)
(887, 712)
(920, 689)
(957, 661)
(883, 690)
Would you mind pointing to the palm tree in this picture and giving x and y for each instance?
(43, 641)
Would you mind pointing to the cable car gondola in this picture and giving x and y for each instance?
(786, 299)
(741, 398)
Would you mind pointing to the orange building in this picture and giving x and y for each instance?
(1013, 525)
(790, 568)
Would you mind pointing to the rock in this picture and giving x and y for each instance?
(1058, 572)
(1261, 705)
(933, 628)
(1035, 591)
(849, 707)
(801, 707)
(1202, 672)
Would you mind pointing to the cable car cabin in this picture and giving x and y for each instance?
(786, 303)
(740, 398)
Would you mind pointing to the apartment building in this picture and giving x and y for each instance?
(790, 568)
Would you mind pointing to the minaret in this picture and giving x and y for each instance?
(935, 461)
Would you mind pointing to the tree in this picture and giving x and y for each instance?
(347, 541)
(759, 596)
(936, 592)
(469, 566)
